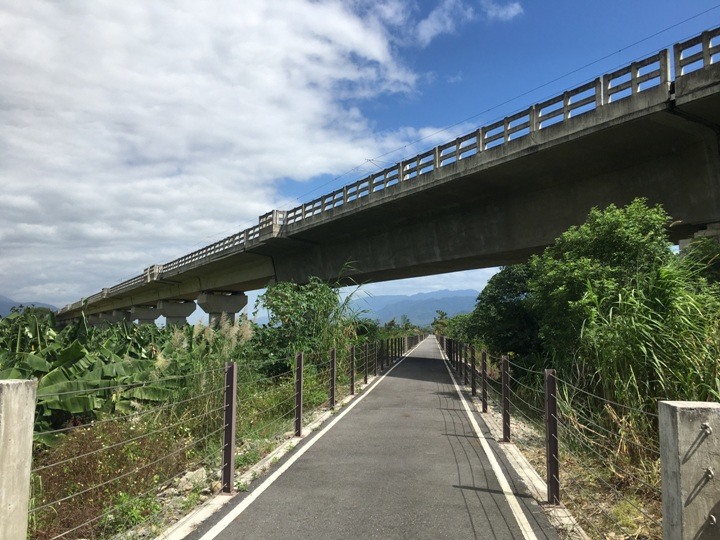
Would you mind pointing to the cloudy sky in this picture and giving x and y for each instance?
(134, 132)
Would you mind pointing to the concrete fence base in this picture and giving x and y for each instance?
(17, 414)
(690, 461)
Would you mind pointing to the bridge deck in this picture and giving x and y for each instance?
(405, 462)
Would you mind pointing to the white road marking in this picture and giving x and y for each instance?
(510, 497)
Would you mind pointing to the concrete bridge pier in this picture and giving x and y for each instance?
(176, 312)
(712, 230)
(114, 316)
(144, 314)
(217, 303)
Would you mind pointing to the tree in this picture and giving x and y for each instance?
(310, 318)
(439, 323)
(458, 327)
(503, 318)
(589, 263)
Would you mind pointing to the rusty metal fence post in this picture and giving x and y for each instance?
(230, 415)
(466, 363)
(483, 380)
(473, 373)
(333, 375)
(551, 438)
(298, 394)
(506, 397)
(352, 370)
(365, 353)
(376, 353)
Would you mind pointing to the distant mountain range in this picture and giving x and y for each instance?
(6, 304)
(420, 308)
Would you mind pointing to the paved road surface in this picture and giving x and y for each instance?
(405, 462)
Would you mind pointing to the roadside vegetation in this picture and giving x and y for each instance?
(128, 416)
(626, 321)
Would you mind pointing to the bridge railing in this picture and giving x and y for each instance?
(605, 91)
(697, 53)
(631, 80)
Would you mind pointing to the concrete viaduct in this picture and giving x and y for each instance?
(489, 198)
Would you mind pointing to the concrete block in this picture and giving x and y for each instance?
(17, 416)
(144, 314)
(217, 304)
(176, 312)
(690, 462)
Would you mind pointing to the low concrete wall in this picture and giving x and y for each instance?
(17, 414)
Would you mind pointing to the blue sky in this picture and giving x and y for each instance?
(134, 132)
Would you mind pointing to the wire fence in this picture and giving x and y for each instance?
(608, 451)
(142, 466)
(103, 477)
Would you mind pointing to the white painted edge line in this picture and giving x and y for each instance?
(510, 497)
(247, 501)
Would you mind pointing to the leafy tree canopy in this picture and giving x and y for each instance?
(605, 253)
(503, 319)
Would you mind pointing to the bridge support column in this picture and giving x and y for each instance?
(712, 230)
(94, 319)
(176, 312)
(144, 314)
(115, 316)
(215, 304)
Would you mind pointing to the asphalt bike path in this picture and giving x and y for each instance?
(404, 462)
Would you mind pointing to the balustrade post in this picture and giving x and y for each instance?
(599, 101)
(552, 453)
(229, 419)
(333, 368)
(506, 397)
(298, 394)
(533, 122)
(634, 72)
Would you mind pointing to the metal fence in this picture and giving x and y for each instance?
(146, 465)
(614, 489)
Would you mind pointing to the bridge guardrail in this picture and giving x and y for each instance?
(697, 53)
(691, 55)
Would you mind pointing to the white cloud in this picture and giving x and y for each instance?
(444, 19)
(131, 132)
(134, 132)
(502, 12)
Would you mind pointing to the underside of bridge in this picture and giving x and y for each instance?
(493, 208)
(482, 212)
